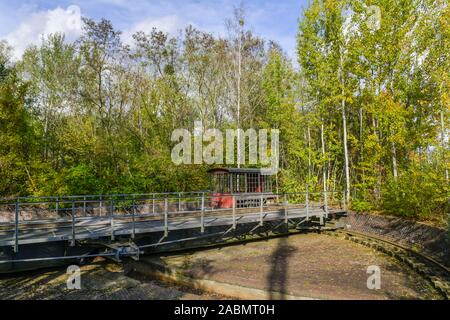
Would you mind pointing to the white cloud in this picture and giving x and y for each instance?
(25, 22)
(43, 23)
(170, 24)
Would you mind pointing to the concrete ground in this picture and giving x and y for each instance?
(307, 265)
(101, 280)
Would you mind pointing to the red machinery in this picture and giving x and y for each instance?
(246, 185)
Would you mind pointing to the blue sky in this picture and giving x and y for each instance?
(24, 22)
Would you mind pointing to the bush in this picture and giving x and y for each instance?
(361, 205)
(77, 180)
(420, 193)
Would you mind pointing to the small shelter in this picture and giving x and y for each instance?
(241, 180)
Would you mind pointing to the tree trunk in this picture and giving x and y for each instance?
(324, 165)
(309, 154)
(344, 125)
(394, 161)
(46, 134)
(443, 146)
(239, 97)
(361, 155)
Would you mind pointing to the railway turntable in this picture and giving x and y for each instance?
(241, 204)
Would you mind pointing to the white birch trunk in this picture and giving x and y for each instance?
(344, 125)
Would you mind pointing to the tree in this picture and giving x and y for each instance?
(16, 134)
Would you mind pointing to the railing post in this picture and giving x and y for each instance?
(166, 224)
(84, 205)
(112, 219)
(101, 205)
(72, 243)
(153, 202)
(307, 203)
(234, 212)
(261, 210)
(133, 212)
(202, 217)
(57, 206)
(285, 209)
(326, 203)
(16, 227)
(203, 194)
(179, 202)
(197, 201)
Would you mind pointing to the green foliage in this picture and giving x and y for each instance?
(389, 84)
(76, 180)
(419, 193)
(361, 205)
(96, 116)
(16, 135)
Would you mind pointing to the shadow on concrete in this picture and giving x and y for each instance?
(49, 283)
(199, 267)
(278, 275)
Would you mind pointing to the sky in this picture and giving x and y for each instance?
(24, 22)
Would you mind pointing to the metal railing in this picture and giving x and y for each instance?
(73, 211)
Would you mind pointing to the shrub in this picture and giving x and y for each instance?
(420, 193)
